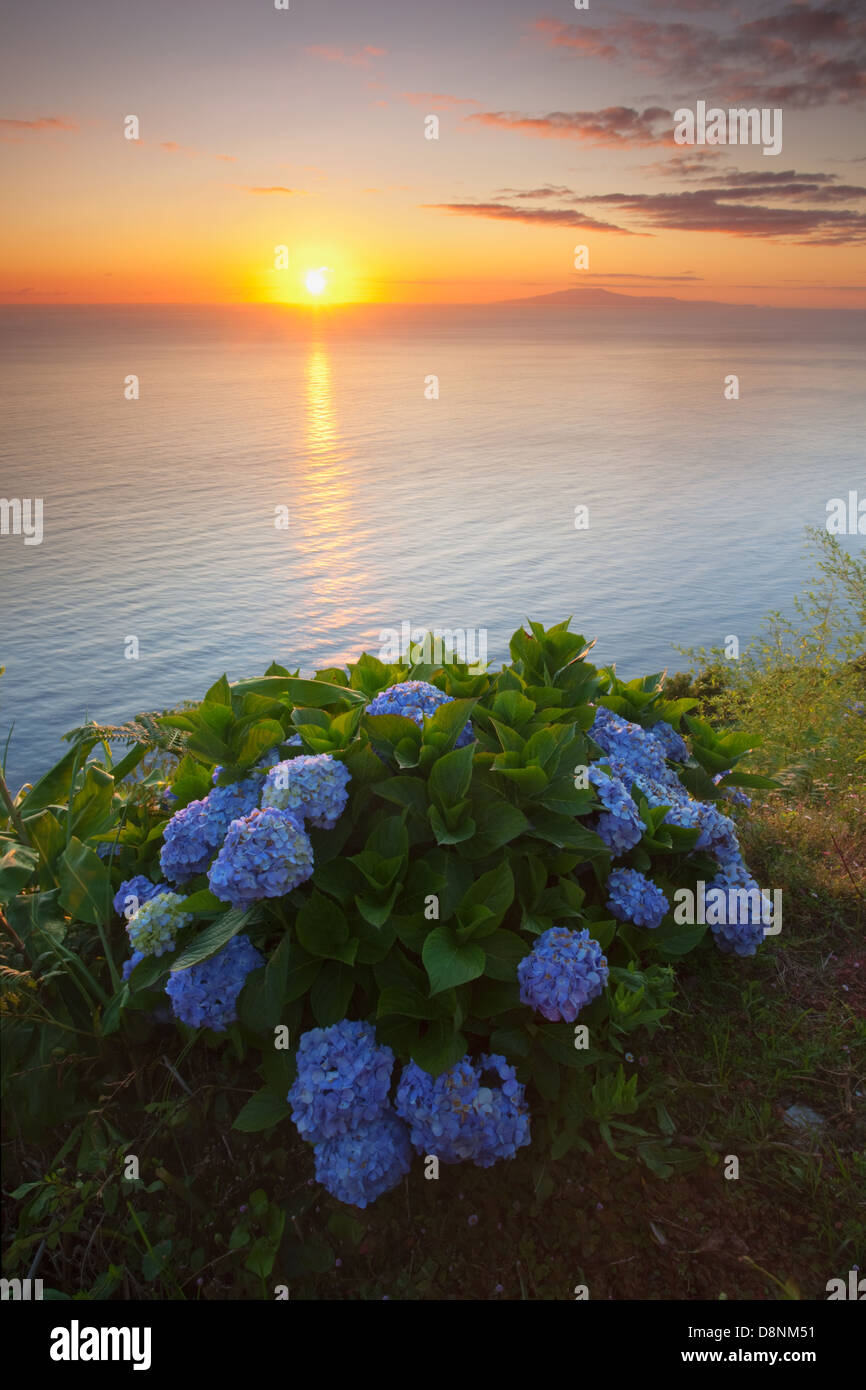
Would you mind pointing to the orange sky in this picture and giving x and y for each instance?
(277, 129)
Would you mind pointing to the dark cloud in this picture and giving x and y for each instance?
(800, 55)
(549, 191)
(550, 217)
(711, 210)
(777, 206)
(614, 125)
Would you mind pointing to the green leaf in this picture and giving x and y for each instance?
(750, 779)
(320, 694)
(448, 963)
(322, 929)
(439, 1048)
(331, 992)
(258, 739)
(510, 1042)
(264, 993)
(214, 937)
(675, 939)
(451, 775)
(90, 811)
(409, 792)
(191, 782)
(262, 1111)
(492, 997)
(85, 884)
(301, 973)
(450, 720)
(54, 787)
(219, 693)
(49, 837)
(446, 833)
(111, 1015)
(410, 1003)
(494, 891)
(504, 950)
(496, 823)
(513, 708)
(203, 903)
(545, 1073)
(17, 867)
(368, 674)
(530, 780)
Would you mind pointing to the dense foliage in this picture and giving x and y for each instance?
(480, 868)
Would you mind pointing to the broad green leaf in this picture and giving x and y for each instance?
(264, 1110)
(321, 927)
(17, 867)
(448, 963)
(85, 884)
(331, 993)
(503, 951)
(214, 937)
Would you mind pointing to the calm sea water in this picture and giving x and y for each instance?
(457, 512)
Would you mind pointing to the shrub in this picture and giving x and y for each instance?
(480, 867)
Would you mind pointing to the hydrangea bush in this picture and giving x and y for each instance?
(451, 893)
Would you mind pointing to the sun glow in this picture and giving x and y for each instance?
(316, 281)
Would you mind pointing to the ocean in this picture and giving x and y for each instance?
(453, 511)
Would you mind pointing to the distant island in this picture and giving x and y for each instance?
(592, 298)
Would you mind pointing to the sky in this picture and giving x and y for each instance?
(306, 129)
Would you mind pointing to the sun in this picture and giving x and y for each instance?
(315, 280)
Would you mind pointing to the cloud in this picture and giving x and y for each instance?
(40, 125)
(549, 217)
(802, 209)
(710, 210)
(360, 59)
(729, 182)
(549, 191)
(174, 147)
(614, 125)
(274, 188)
(799, 54)
(29, 292)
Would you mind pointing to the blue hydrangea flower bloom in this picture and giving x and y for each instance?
(205, 995)
(737, 911)
(635, 898)
(265, 855)
(342, 1082)
(475, 1111)
(129, 965)
(718, 833)
(564, 971)
(195, 833)
(370, 1159)
(414, 699)
(732, 794)
(153, 928)
(674, 745)
(133, 892)
(619, 825)
(632, 751)
(313, 786)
